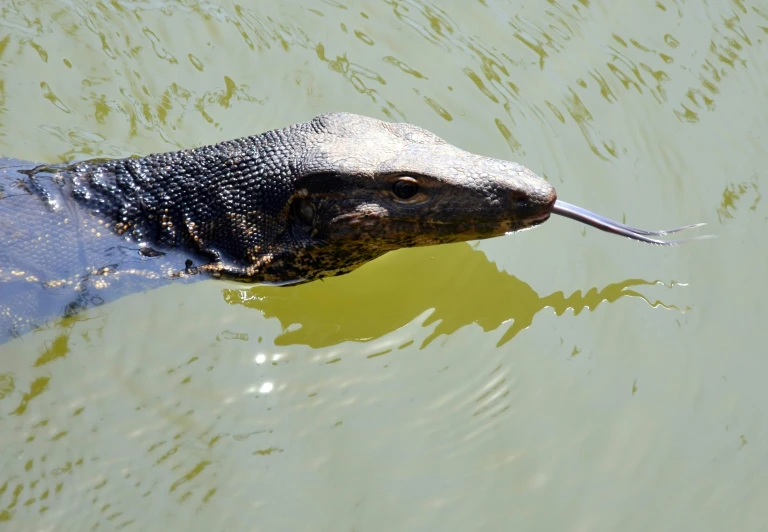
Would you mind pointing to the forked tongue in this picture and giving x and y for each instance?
(609, 226)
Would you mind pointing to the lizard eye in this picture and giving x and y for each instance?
(405, 188)
(304, 211)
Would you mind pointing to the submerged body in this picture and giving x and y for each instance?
(311, 200)
(57, 259)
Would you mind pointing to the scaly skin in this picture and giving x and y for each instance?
(292, 205)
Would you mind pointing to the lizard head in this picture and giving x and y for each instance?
(342, 189)
(364, 187)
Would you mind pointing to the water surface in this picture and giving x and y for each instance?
(559, 379)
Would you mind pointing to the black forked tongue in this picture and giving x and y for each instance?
(605, 224)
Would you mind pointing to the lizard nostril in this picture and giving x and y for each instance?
(520, 200)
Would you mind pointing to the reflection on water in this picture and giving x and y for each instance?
(171, 426)
(385, 298)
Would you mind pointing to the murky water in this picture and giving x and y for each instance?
(559, 379)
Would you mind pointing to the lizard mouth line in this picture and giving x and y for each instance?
(523, 220)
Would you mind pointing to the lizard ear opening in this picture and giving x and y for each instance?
(303, 210)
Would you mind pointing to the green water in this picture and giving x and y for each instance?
(559, 379)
